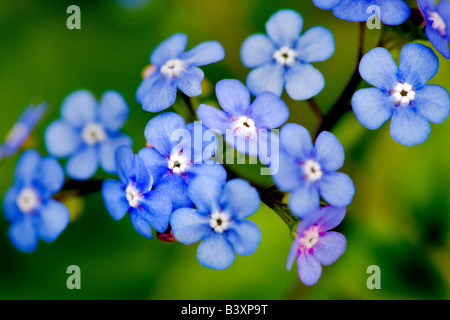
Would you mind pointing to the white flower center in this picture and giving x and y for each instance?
(284, 55)
(133, 195)
(172, 68)
(245, 126)
(28, 200)
(309, 238)
(312, 170)
(403, 94)
(93, 133)
(438, 23)
(219, 221)
(178, 164)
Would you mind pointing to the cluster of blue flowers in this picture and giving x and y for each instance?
(174, 185)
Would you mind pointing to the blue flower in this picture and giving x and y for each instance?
(28, 203)
(219, 220)
(88, 133)
(438, 24)
(22, 129)
(314, 246)
(176, 69)
(134, 194)
(283, 57)
(401, 93)
(391, 12)
(178, 153)
(308, 172)
(245, 125)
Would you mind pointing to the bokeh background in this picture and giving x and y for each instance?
(398, 220)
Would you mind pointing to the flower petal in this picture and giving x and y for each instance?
(123, 158)
(268, 77)
(155, 162)
(52, 220)
(303, 81)
(213, 170)
(161, 96)
(146, 85)
(204, 53)
(433, 103)
(268, 111)
(175, 186)
(328, 151)
(372, 107)
(215, 252)
(189, 81)
(328, 217)
(329, 248)
(49, 176)
(159, 207)
(108, 150)
(316, 44)
(257, 50)
(113, 194)
(394, 12)
(23, 235)
(159, 130)
(140, 223)
(284, 27)
(309, 269)
(9, 206)
(337, 189)
(26, 167)
(292, 255)
(437, 40)
(205, 192)
(170, 48)
(140, 175)
(79, 108)
(288, 176)
(214, 118)
(296, 141)
(233, 97)
(304, 200)
(408, 127)
(326, 4)
(418, 64)
(379, 69)
(245, 237)
(188, 226)
(61, 139)
(83, 164)
(114, 110)
(240, 199)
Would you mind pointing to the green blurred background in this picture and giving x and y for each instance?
(398, 220)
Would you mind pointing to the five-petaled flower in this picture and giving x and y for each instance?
(134, 193)
(219, 220)
(28, 203)
(307, 172)
(176, 69)
(245, 125)
(87, 133)
(392, 12)
(283, 58)
(314, 246)
(437, 29)
(178, 153)
(401, 93)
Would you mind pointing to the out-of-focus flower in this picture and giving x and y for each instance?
(134, 194)
(314, 246)
(307, 172)
(88, 133)
(392, 12)
(176, 69)
(22, 129)
(437, 17)
(401, 93)
(219, 220)
(179, 153)
(241, 121)
(283, 58)
(28, 203)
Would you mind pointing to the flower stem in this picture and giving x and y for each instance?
(79, 188)
(188, 102)
(272, 197)
(315, 108)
